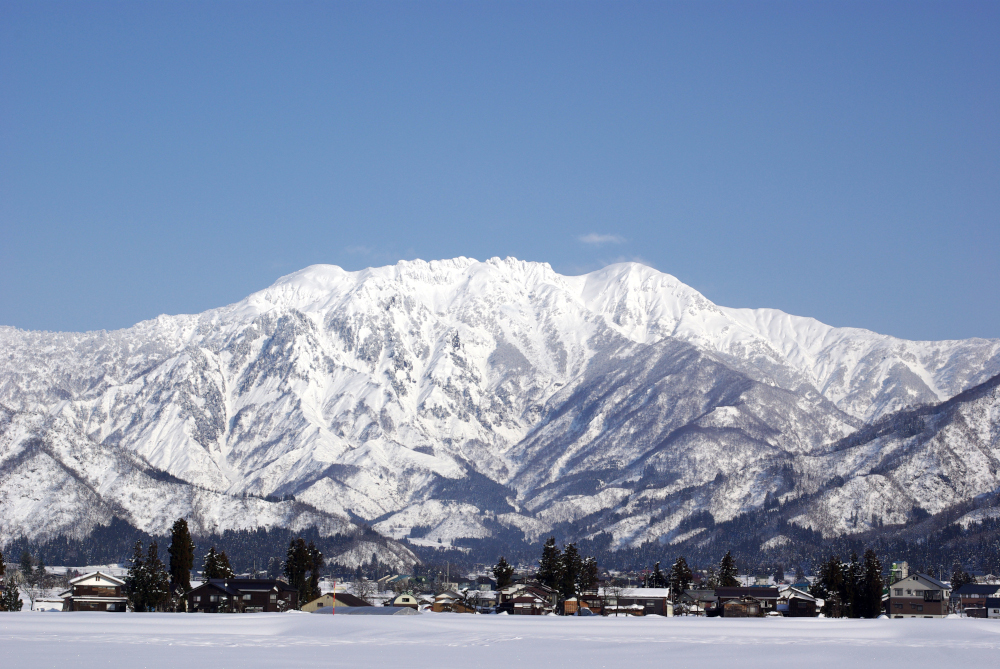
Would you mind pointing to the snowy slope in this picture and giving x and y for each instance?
(446, 394)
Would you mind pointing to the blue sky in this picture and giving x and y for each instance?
(835, 160)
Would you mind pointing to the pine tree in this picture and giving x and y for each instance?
(588, 575)
(830, 587)
(503, 573)
(711, 578)
(157, 581)
(225, 570)
(550, 564)
(315, 567)
(10, 596)
(570, 566)
(181, 553)
(40, 571)
(135, 580)
(727, 572)
(959, 576)
(27, 564)
(9, 600)
(680, 577)
(657, 579)
(210, 569)
(851, 590)
(870, 595)
(296, 565)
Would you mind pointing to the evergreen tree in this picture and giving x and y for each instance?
(959, 576)
(9, 600)
(680, 578)
(779, 574)
(315, 567)
(136, 580)
(799, 574)
(711, 578)
(850, 594)
(550, 564)
(181, 553)
(210, 569)
(657, 579)
(870, 592)
(570, 567)
(27, 564)
(297, 563)
(588, 575)
(157, 581)
(40, 571)
(728, 572)
(503, 573)
(830, 587)
(10, 596)
(225, 570)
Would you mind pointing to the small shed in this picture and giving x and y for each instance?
(405, 599)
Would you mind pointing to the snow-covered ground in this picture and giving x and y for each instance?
(436, 640)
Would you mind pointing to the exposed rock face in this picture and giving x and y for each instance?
(455, 396)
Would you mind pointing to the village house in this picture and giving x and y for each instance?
(917, 596)
(96, 591)
(796, 603)
(993, 607)
(343, 599)
(748, 602)
(637, 602)
(527, 599)
(446, 602)
(242, 595)
(970, 598)
(699, 602)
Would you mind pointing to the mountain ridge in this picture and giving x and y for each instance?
(358, 393)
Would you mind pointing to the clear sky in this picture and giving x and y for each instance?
(839, 160)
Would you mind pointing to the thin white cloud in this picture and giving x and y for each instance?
(597, 240)
(358, 250)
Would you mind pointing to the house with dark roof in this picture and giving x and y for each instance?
(970, 598)
(242, 595)
(993, 607)
(917, 596)
(747, 602)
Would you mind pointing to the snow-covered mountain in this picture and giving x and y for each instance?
(447, 399)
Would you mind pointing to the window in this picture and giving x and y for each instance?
(213, 598)
(918, 593)
(908, 591)
(246, 598)
(274, 597)
(897, 606)
(898, 592)
(111, 607)
(197, 598)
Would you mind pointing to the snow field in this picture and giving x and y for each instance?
(435, 640)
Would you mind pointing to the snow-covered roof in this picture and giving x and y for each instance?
(97, 577)
(639, 592)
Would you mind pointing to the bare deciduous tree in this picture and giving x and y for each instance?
(614, 591)
(364, 589)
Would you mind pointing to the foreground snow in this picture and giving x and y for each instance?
(436, 640)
